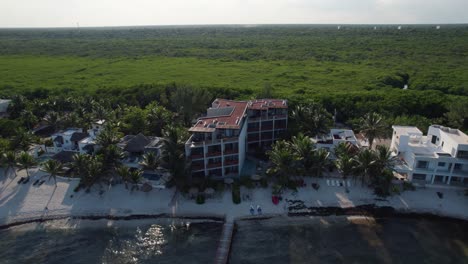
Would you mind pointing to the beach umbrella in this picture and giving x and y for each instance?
(209, 191)
(146, 187)
(256, 177)
(228, 181)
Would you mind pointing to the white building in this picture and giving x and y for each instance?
(74, 139)
(337, 136)
(441, 157)
(68, 140)
(4, 103)
(88, 144)
(219, 141)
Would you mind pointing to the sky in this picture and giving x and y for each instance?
(67, 13)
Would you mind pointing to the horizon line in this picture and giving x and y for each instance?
(240, 25)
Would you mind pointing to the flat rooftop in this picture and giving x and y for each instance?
(267, 103)
(407, 130)
(455, 134)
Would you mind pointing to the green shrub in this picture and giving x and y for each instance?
(200, 199)
(219, 187)
(236, 199)
(247, 182)
(408, 186)
(77, 188)
(396, 189)
(264, 183)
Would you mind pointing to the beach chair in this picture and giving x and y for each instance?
(349, 183)
(328, 182)
(332, 182)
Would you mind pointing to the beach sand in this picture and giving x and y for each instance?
(22, 202)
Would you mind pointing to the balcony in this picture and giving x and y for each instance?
(271, 117)
(253, 129)
(231, 152)
(197, 156)
(214, 165)
(198, 167)
(252, 139)
(231, 162)
(264, 128)
(213, 154)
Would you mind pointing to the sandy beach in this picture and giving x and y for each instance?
(24, 202)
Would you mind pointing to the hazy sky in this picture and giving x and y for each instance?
(66, 13)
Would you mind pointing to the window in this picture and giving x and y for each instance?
(418, 176)
(462, 154)
(441, 164)
(442, 143)
(434, 139)
(422, 164)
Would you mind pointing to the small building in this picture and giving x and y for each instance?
(441, 157)
(89, 144)
(4, 103)
(220, 140)
(135, 146)
(335, 137)
(68, 139)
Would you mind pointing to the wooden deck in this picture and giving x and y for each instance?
(224, 245)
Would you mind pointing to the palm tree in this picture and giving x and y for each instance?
(342, 149)
(124, 173)
(384, 158)
(135, 177)
(345, 165)
(321, 161)
(158, 117)
(53, 168)
(52, 119)
(80, 163)
(305, 148)
(312, 119)
(9, 159)
(372, 125)
(284, 161)
(25, 162)
(173, 152)
(28, 118)
(150, 161)
(365, 161)
(22, 139)
(94, 171)
(112, 157)
(108, 136)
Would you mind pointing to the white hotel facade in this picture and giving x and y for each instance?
(440, 157)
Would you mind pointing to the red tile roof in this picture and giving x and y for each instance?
(229, 121)
(232, 119)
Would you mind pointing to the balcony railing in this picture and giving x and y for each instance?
(231, 162)
(213, 154)
(253, 129)
(197, 167)
(271, 117)
(197, 156)
(214, 165)
(231, 151)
